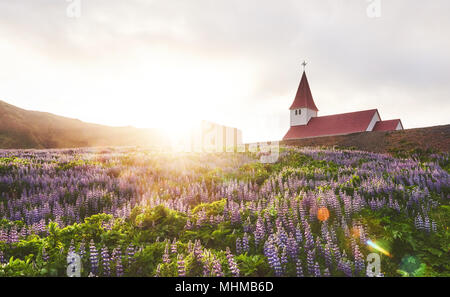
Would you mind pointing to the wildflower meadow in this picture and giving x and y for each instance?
(316, 212)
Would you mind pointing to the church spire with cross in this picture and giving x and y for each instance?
(304, 98)
(303, 108)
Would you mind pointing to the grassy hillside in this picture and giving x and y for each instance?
(21, 128)
(431, 139)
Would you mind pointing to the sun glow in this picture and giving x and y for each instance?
(157, 88)
(184, 95)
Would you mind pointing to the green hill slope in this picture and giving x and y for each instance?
(21, 128)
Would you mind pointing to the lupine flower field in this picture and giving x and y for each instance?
(316, 212)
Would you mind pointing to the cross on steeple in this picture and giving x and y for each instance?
(304, 65)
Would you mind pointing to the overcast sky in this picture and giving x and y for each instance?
(163, 63)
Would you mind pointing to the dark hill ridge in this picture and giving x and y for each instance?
(21, 128)
(435, 139)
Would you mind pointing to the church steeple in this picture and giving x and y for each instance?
(304, 98)
(303, 108)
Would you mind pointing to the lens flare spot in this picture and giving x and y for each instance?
(378, 248)
(356, 232)
(411, 266)
(323, 214)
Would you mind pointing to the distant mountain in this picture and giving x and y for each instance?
(20, 128)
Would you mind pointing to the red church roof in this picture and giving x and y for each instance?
(390, 125)
(303, 98)
(338, 124)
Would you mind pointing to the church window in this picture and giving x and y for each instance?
(299, 111)
(296, 112)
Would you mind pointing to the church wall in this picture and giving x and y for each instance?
(296, 120)
(375, 119)
(310, 114)
(399, 126)
(302, 118)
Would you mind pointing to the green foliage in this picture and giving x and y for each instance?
(255, 266)
(161, 221)
(399, 234)
(212, 209)
(18, 267)
(76, 163)
(148, 259)
(193, 266)
(256, 171)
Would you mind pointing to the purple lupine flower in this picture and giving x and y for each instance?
(310, 262)
(82, 249)
(231, 263)
(345, 266)
(198, 251)
(290, 224)
(433, 226)
(217, 268)
(292, 247)
(319, 249)
(158, 270)
(23, 233)
(117, 257)
(298, 234)
(235, 216)
(283, 258)
(188, 225)
(282, 237)
(174, 246)
(201, 218)
(13, 236)
(238, 246)
(309, 244)
(71, 247)
(165, 257)
(299, 268)
(336, 252)
(328, 256)
(180, 266)
(106, 261)
(45, 256)
(206, 264)
(359, 261)
(426, 224)
(190, 247)
(130, 253)
(271, 252)
(348, 269)
(248, 225)
(317, 270)
(268, 221)
(245, 243)
(259, 232)
(93, 256)
(3, 235)
(326, 272)
(362, 235)
(418, 222)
